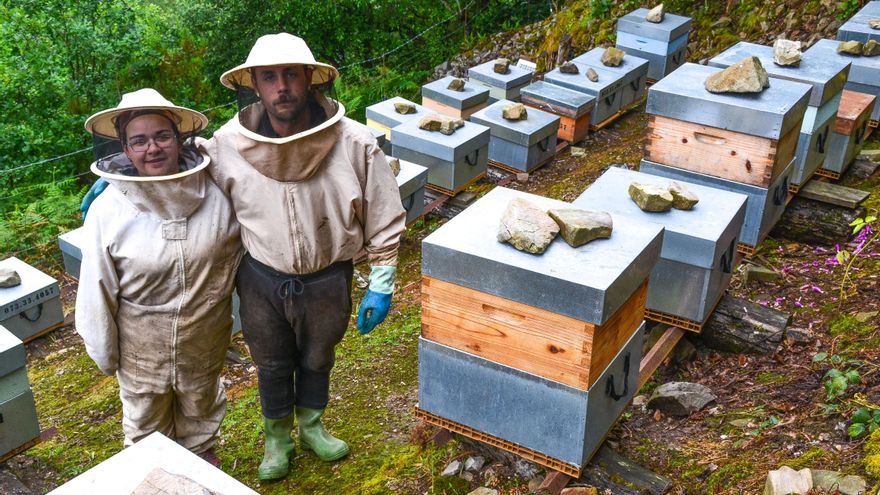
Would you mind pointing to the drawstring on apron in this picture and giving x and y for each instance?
(290, 286)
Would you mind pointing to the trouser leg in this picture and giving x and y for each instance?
(145, 413)
(198, 415)
(270, 338)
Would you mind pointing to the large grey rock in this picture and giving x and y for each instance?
(9, 278)
(11, 485)
(394, 163)
(612, 57)
(592, 75)
(579, 227)
(452, 469)
(161, 482)
(474, 464)
(650, 198)
(850, 47)
(871, 48)
(682, 197)
(404, 108)
(786, 52)
(569, 68)
(655, 15)
(526, 227)
(785, 481)
(680, 398)
(501, 66)
(829, 481)
(745, 76)
(514, 111)
(456, 85)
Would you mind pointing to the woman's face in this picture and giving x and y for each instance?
(152, 146)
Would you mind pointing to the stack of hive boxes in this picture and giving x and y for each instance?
(826, 76)
(411, 181)
(864, 76)
(607, 90)
(461, 104)
(504, 86)
(18, 414)
(662, 44)
(519, 145)
(32, 307)
(699, 245)
(536, 354)
(572, 107)
(859, 103)
(743, 143)
(384, 117)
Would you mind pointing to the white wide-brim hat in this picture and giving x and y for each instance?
(103, 123)
(274, 50)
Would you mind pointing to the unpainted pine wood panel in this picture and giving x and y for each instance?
(712, 151)
(853, 106)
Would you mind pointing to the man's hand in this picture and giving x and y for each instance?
(372, 311)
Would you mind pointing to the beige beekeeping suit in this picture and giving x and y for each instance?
(154, 299)
(311, 199)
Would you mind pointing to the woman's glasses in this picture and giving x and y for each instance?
(140, 144)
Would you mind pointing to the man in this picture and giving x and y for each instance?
(310, 188)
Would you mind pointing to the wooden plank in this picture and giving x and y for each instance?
(461, 113)
(854, 106)
(651, 361)
(833, 194)
(553, 346)
(573, 130)
(451, 193)
(742, 326)
(719, 152)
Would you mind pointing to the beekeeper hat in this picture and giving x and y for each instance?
(103, 123)
(273, 50)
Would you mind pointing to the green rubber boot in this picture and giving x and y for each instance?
(279, 447)
(313, 436)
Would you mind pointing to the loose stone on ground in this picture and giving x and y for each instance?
(579, 227)
(452, 469)
(745, 76)
(680, 398)
(526, 227)
(650, 198)
(786, 480)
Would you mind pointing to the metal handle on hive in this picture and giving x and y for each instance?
(610, 101)
(726, 261)
(24, 315)
(544, 144)
(820, 141)
(409, 199)
(781, 190)
(861, 133)
(467, 158)
(609, 384)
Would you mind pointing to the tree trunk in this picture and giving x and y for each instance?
(564, 48)
(742, 326)
(815, 222)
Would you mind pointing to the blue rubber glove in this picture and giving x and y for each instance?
(376, 302)
(372, 311)
(94, 191)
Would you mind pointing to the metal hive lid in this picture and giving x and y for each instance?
(12, 355)
(826, 76)
(450, 148)
(630, 68)
(384, 113)
(470, 96)
(864, 70)
(608, 82)
(770, 113)
(672, 26)
(857, 28)
(536, 127)
(14, 300)
(485, 73)
(696, 237)
(411, 177)
(588, 283)
(552, 95)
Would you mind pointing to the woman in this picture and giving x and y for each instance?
(154, 299)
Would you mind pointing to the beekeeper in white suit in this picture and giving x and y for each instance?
(154, 299)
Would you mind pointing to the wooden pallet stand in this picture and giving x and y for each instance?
(451, 193)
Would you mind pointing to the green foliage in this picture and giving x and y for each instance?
(843, 373)
(864, 420)
(847, 8)
(866, 235)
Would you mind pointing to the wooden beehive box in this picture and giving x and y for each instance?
(562, 315)
(745, 138)
(572, 107)
(462, 104)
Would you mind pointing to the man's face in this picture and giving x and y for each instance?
(152, 146)
(283, 90)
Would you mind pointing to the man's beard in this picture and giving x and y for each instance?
(292, 112)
